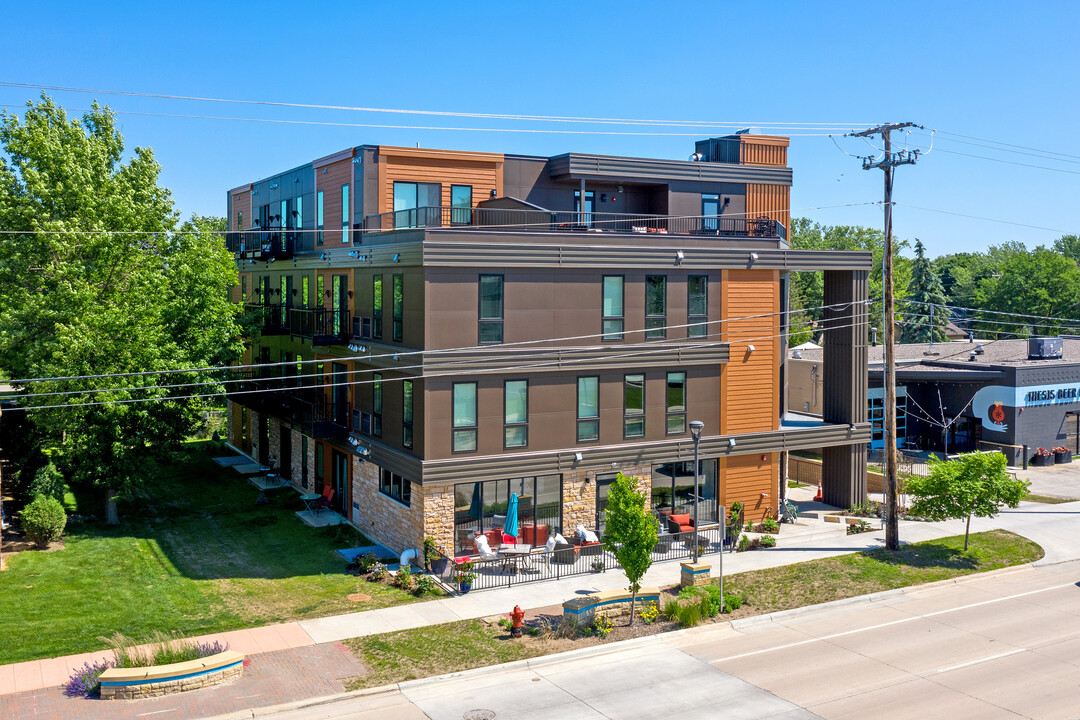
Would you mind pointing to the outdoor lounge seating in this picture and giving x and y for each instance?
(564, 554)
(680, 523)
(324, 501)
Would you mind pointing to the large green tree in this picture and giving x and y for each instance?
(921, 324)
(1040, 282)
(1069, 246)
(96, 279)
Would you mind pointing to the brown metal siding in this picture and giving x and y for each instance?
(769, 201)
(763, 150)
(745, 478)
(329, 178)
(239, 202)
(482, 171)
(751, 386)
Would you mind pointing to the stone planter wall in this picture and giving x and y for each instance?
(132, 683)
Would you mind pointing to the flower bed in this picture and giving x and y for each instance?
(140, 682)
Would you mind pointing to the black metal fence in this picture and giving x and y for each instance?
(541, 565)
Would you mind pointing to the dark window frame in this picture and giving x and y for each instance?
(320, 216)
(408, 398)
(396, 487)
(697, 324)
(524, 424)
(461, 214)
(587, 420)
(376, 404)
(464, 430)
(398, 309)
(634, 416)
(655, 324)
(671, 414)
(490, 322)
(376, 306)
(345, 193)
(613, 336)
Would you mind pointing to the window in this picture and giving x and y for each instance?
(395, 486)
(239, 220)
(319, 289)
(491, 309)
(586, 217)
(319, 217)
(673, 490)
(481, 506)
(281, 223)
(298, 220)
(345, 213)
(710, 208)
(676, 403)
(243, 288)
(655, 306)
(464, 434)
(339, 302)
(399, 302)
(634, 406)
(410, 197)
(407, 413)
(461, 202)
(305, 290)
(517, 413)
(588, 409)
(376, 404)
(613, 307)
(697, 305)
(376, 307)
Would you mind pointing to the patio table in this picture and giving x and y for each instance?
(516, 554)
(309, 501)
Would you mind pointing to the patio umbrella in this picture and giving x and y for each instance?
(511, 527)
(476, 507)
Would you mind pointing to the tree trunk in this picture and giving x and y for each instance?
(633, 601)
(967, 529)
(111, 515)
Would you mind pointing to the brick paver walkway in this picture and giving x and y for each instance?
(272, 678)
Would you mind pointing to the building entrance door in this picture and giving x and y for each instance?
(264, 439)
(285, 461)
(603, 485)
(340, 479)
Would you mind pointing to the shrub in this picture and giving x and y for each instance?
(709, 599)
(158, 649)
(378, 572)
(362, 564)
(687, 614)
(48, 482)
(506, 624)
(404, 579)
(601, 625)
(859, 527)
(424, 584)
(533, 631)
(770, 525)
(649, 613)
(744, 543)
(43, 520)
(86, 681)
(768, 541)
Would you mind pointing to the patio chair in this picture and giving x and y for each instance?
(485, 551)
(324, 501)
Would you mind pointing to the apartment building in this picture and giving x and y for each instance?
(445, 328)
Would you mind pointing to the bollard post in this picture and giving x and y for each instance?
(1025, 456)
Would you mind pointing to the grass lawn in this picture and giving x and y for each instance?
(1047, 499)
(453, 647)
(197, 556)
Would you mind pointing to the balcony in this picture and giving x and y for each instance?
(323, 419)
(270, 245)
(270, 319)
(539, 220)
(320, 325)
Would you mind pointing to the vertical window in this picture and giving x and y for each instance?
(676, 403)
(588, 409)
(655, 306)
(516, 413)
(239, 220)
(461, 204)
(345, 213)
(243, 288)
(376, 404)
(282, 222)
(407, 414)
(376, 307)
(395, 486)
(337, 302)
(586, 212)
(634, 406)
(319, 290)
(319, 217)
(399, 303)
(697, 307)
(298, 212)
(491, 309)
(710, 209)
(305, 290)
(464, 434)
(613, 307)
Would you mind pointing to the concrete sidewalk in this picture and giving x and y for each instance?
(1055, 527)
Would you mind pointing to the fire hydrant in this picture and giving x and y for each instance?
(515, 618)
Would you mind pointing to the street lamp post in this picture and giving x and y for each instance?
(696, 426)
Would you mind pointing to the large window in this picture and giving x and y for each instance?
(516, 413)
(409, 196)
(376, 404)
(613, 307)
(376, 307)
(298, 220)
(676, 403)
(655, 306)
(305, 290)
(319, 208)
(480, 507)
(461, 202)
(634, 406)
(395, 486)
(588, 409)
(673, 490)
(586, 217)
(491, 309)
(345, 213)
(697, 307)
(407, 413)
(464, 433)
(399, 307)
(710, 208)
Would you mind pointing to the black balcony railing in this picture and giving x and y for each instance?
(565, 221)
(270, 244)
(271, 319)
(321, 325)
(323, 419)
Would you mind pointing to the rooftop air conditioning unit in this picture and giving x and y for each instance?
(1044, 348)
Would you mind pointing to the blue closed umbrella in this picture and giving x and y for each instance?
(511, 516)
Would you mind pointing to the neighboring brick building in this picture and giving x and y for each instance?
(486, 324)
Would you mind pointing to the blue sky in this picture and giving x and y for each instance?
(993, 70)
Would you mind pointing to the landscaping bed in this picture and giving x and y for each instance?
(453, 647)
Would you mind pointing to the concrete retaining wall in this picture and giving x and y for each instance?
(131, 683)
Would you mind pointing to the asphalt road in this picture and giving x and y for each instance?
(1005, 645)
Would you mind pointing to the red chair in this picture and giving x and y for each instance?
(324, 501)
(508, 539)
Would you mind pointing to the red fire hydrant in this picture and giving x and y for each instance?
(515, 618)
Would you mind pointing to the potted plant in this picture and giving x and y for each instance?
(597, 565)
(734, 523)
(464, 576)
(1062, 454)
(435, 559)
(1043, 457)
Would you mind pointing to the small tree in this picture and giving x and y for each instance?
(43, 520)
(49, 481)
(973, 484)
(630, 532)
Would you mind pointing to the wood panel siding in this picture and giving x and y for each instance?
(482, 171)
(240, 201)
(744, 478)
(769, 201)
(763, 150)
(750, 382)
(329, 178)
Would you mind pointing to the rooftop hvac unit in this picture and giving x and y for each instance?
(1044, 348)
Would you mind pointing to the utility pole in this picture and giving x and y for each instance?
(887, 164)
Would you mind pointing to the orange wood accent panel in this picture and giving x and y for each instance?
(744, 478)
(763, 150)
(241, 202)
(337, 174)
(769, 201)
(750, 381)
(482, 171)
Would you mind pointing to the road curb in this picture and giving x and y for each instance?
(301, 704)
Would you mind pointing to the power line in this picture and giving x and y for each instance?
(1041, 154)
(977, 217)
(998, 142)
